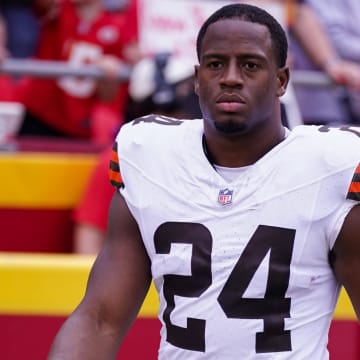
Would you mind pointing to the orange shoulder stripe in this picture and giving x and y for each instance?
(114, 168)
(354, 188)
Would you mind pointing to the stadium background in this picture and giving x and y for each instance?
(41, 282)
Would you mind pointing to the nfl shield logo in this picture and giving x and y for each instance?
(225, 196)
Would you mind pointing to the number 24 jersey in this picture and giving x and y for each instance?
(241, 266)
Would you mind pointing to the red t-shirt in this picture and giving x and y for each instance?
(67, 104)
(94, 205)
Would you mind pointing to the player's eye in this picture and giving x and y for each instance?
(215, 65)
(250, 65)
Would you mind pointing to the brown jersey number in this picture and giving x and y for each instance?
(273, 308)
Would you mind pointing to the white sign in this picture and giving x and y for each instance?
(172, 25)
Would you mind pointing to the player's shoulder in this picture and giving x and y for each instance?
(341, 144)
(153, 130)
(152, 121)
(149, 144)
(326, 133)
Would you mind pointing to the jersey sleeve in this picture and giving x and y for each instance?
(354, 188)
(114, 168)
(349, 179)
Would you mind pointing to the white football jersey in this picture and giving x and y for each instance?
(241, 266)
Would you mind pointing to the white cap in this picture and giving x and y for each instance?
(142, 79)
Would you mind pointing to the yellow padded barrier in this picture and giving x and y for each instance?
(43, 180)
(49, 284)
(53, 284)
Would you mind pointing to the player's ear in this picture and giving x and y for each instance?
(283, 76)
(196, 81)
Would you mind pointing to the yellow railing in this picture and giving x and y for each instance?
(49, 284)
(53, 284)
(43, 180)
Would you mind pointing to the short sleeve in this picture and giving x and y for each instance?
(114, 168)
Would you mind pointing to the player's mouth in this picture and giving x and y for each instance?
(230, 103)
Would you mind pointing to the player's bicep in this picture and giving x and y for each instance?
(120, 277)
(346, 256)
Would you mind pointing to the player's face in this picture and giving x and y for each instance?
(238, 81)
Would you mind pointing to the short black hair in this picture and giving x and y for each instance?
(253, 14)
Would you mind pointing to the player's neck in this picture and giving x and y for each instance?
(239, 153)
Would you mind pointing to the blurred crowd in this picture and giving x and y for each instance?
(336, 52)
(324, 37)
(75, 32)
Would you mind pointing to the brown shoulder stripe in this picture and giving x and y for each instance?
(114, 169)
(354, 189)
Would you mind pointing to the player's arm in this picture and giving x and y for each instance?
(117, 286)
(346, 257)
(314, 39)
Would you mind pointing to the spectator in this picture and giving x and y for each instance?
(162, 85)
(316, 44)
(341, 19)
(79, 32)
(90, 216)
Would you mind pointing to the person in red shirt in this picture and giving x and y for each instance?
(151, 91)
(80, 32)
(90, 216)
